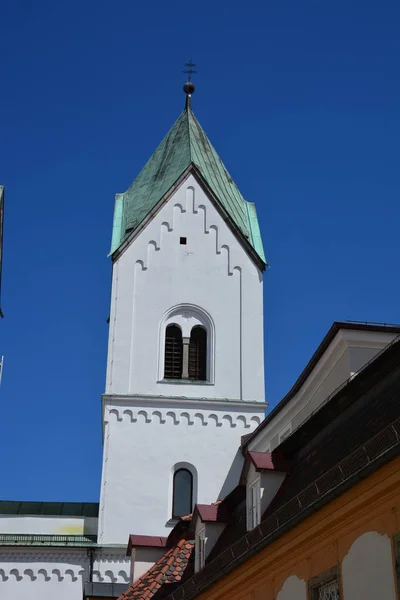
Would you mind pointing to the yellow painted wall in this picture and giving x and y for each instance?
(320, 542)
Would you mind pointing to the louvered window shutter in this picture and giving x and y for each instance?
(198, 354)
(173, 353)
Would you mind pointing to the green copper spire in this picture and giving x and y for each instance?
(184, 145)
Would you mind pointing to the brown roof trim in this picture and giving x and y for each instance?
(335, 328)
(265, 461)
(145, 541)
(210, 513)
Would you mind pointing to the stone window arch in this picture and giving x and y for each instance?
(198, 342)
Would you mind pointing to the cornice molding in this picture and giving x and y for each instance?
(181, 401)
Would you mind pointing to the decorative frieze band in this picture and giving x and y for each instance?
(177, 417)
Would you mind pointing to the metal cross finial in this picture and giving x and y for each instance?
(190, 68)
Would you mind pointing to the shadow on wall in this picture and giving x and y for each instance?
(233, 476)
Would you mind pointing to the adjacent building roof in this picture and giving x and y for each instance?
(65, 509)
(170, 569)
(329, 454)
(185, 145)
(335, 328)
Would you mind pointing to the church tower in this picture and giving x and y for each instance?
(185, 367)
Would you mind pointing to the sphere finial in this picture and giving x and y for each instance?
(189, 87)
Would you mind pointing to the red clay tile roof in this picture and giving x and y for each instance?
(150, 541)
(169, 569)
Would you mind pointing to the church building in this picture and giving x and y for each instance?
(195, 481)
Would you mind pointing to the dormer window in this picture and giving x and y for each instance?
(200, 556)
(253, 502)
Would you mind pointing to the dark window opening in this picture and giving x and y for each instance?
(198, 354)
(173, 353)
(182, 499)
(182, 241)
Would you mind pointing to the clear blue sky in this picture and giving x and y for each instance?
(301, 100)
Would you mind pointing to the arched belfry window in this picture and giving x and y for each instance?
(198, 353)
(186, 350)
(182, 499)
(173, 352)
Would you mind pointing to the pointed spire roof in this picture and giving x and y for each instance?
(184, 145)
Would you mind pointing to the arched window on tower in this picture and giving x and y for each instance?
(198, 353)
(173, 353)
(182, 499)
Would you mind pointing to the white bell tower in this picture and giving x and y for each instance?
(185, 368)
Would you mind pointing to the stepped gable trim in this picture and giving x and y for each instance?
(335, 328)
(145, 541)
(192, 169)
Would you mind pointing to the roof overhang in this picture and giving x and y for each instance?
(336, 327)
(264, 462)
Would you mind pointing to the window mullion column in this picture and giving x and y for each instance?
(185, 358)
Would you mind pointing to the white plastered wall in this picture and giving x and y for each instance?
(367, 569)
(151, 424)
(293, 589)
(48, 573)
(142, 559)
(42, 574)
(156, 273)
(143, 443)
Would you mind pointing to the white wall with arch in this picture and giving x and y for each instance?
(367, 569)
(186, 317)
(146, 439)
(49, 573)
(294, 588)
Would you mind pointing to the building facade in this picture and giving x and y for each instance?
(200, 495)
(185, 375)
(315, 519)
